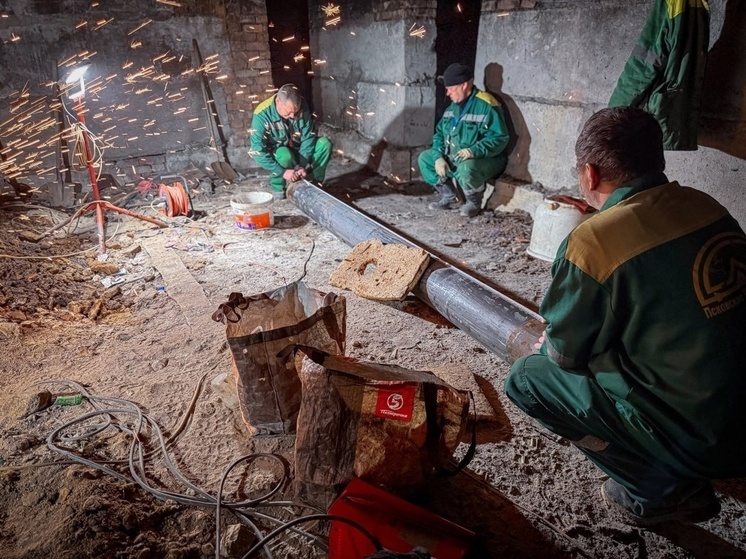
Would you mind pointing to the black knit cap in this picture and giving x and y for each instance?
(456, 74)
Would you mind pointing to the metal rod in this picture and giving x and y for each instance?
(501, 324)
(80, 111)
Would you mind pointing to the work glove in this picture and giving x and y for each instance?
(464, 154)
(441, 167)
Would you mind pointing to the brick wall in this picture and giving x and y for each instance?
(397, 10)
(249, 78)
(489, 6)
(251, 83)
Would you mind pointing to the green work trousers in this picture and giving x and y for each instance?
(574, 406)
(289, 158)
(470, 174)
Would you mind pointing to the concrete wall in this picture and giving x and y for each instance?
(556, 64)
(144, 101)
(374, 88)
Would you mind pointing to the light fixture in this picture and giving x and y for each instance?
(75, 90)
(75, 86)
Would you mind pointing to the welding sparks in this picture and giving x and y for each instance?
(100, 23)
(330, 10)
(169, 3)
(418, 32)
(136, 29)
(333, 21)
(298, 57)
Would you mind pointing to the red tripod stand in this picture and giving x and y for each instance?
(99, 205)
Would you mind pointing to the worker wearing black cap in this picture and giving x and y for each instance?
(468, 144)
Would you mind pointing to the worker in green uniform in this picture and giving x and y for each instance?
(285, 143)
(468, 145)
(642, 362)
(666, 70)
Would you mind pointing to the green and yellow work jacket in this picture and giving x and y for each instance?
(649, 297)
(270, 131)
(475, 124)
(665, 71)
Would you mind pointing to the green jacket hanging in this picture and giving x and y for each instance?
(665, 71)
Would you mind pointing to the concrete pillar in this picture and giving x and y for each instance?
(374, 87)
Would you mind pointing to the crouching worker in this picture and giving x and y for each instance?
(468, 144)
(642, 363)
(284, 141)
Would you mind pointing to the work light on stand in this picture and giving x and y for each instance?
(75, 91)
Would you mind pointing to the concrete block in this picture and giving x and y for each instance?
(509, 197)
(395, 164)
(460, 376)
(403, 115)
(381, 272)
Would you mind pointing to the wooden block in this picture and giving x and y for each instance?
(381, 272)
(461, 377)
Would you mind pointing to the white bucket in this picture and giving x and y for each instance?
(553, 221)
(251, 210)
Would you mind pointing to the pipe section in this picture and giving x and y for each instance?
(501, 324)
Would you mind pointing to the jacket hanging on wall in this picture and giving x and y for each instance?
(665, 71)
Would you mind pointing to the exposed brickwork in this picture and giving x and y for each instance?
(249, 78)
(390, 10)
(490, 6)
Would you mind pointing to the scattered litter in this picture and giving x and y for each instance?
(68, 400)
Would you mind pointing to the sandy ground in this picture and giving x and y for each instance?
(525, 494)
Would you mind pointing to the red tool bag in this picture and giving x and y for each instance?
(398, 525)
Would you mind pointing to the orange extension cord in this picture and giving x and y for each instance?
(177, 199)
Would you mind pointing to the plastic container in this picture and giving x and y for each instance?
(68, 400)
(251, 210)
(553, 221)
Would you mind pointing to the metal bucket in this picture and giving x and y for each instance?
(553, 221)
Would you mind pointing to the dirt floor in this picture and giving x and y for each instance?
(135, 332)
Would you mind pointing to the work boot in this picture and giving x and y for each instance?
(697, 504)
(473, 202)
(447, 197)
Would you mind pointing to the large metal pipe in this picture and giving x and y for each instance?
(501, 324)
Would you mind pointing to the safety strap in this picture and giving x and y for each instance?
(430, 393)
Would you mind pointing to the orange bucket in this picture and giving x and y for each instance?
(251, 210)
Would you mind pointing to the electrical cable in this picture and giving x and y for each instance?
(305, 264)
(140, 429)
(334, 518)
(178, 201)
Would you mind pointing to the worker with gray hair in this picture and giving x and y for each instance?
(285, 143)
(642, 363)
(468, 145)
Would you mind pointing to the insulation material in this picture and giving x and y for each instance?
(381, 272)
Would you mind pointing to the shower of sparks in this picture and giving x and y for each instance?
(143, 24)
(100, 23)
(458, 7)
(14, 37)
(298, 57)
(169, 3)
(290, 38)
(332, 21)
(418, 32)
(330, 10)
